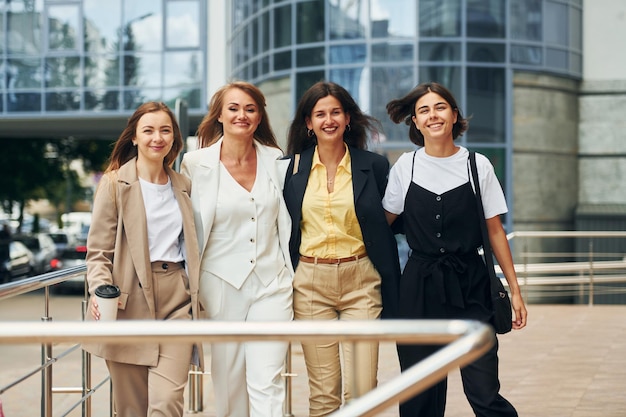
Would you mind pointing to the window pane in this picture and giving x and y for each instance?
(348, 19)
(556, 58)
(486, 105)
(182, 25)
(384, 52)
(24, 27)
(135, 97)
(63, 28)
(497, 158)
(440, 51)
(486, 52)
(191, 95)
(63, 72)
(529, 55)
(101, 25)
(304, 80)
(310, 26)
(282, 60)
(556, 31)
(440, 17)
(389, 83)
(23, 73)
(24, 102)
(182, 68)
(347, 54)
(485, 19)
(449, 76)
(265, 32)
(282, 26)
(142, 29)
(62, 101)
(393, 18)
(350, 79)
(102, 71)
(576, 32)
(142, 70)
(525, 20)
(310, 57)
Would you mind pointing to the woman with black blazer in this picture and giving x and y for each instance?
(344, 252)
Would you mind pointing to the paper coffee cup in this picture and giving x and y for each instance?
(107, 296)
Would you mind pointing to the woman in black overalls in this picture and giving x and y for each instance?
(445, 277)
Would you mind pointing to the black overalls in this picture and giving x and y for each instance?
(445, 278)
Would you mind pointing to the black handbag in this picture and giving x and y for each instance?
(501, 320)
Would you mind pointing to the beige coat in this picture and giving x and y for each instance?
(119, 232)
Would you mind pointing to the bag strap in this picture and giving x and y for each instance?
(481, 213)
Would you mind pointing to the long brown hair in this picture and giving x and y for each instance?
(360, 123)
(210, 129)
(403, 109)
(124, 150)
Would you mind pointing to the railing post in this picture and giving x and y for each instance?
(287, 412)
(46, 355)
(591, 289)
(195, 390)
(86, 357)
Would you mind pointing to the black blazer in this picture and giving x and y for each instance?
(369, 179)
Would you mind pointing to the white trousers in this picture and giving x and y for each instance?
(247, 376)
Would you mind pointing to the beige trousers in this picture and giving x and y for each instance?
(157, 391)
(346, 291)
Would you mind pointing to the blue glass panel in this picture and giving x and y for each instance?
(347, 54)
(486, 52)
(449, 76)
(183, 68)
(529, 55)
(143, 70)
(182, 25)
(23, 73)
(304, 80)
(440, 51)
(440, 18)
(557, 58)
(24, 27)
(102, 21)
(310, 27)
(282, 26)
(24, 102)
(192, 95)
(282, 60)
(63, 101)
(486, 105)
(350, 79)
(310, 57)
(526, 20)
(385, 52)
(62, 72)
(142, 29)
(485, 19)
(133, 98)
(64, 27)
(348, 19)
(556, 31)
(389, 83)
(394, 18)
(102, 71)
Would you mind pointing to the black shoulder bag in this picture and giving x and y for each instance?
(501, 303)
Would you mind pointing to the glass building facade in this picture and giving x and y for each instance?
(80, 57)
(381, 49)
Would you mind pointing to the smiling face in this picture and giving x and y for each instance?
(328, 120)
(154, 136)
(434, 117)
(240, 114)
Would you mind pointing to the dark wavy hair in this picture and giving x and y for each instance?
(403, 109)
(210, 129)
(360, 123)
(124, 150)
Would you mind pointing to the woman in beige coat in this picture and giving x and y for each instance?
(143, 240)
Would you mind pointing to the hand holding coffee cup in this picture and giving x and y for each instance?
(107, 297)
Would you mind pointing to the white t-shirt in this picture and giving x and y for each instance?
(165, 221)
(439, 175)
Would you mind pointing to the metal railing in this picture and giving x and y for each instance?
(465, 339)
(581, 270)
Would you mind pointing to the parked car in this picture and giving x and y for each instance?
(72, 256)
(61, 240)
(16, 261)
(43, 249)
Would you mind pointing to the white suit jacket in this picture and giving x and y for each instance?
(202, 167)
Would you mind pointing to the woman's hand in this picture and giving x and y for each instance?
(93, 307)
(519, 308)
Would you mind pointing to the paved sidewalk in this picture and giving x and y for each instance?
(569, 362)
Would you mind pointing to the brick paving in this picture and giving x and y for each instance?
(569, 362)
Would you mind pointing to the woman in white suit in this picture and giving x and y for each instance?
(243, 230)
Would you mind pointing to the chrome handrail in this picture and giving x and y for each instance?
(466, 340)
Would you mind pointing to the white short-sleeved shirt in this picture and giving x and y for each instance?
(439, 175)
